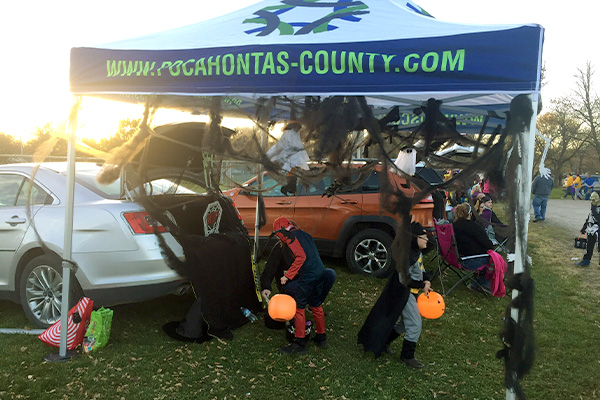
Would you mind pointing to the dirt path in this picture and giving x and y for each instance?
(569, 214)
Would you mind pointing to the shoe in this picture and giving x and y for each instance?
(537, 220)
(413, 362)
(320, 340)
(583, 263)
(293, 348)
(388, 349)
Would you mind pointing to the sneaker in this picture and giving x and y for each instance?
(293, 348)
(413, 362)
(583, 263)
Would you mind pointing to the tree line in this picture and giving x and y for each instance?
(14, 150)
(573, 126)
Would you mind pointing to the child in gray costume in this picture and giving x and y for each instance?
(410, 323)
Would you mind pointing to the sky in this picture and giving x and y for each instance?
(36, 38)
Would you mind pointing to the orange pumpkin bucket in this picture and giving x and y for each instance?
(282, 307)
(431, 306)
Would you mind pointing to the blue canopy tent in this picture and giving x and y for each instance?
(391, 52)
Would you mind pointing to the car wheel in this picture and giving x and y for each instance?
(369, 252)
(40, 290)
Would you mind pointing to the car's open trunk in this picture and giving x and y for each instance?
(199, 215)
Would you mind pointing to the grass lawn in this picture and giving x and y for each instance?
(557, 193)
(140, 362)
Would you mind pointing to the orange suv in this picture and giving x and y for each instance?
(350, 223)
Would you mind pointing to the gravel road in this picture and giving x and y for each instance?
(567, 213)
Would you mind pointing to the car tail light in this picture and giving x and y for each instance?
(237, 211)
(141, 222)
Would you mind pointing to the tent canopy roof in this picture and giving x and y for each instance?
(390, 51)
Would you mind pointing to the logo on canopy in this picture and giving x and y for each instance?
(290, 17)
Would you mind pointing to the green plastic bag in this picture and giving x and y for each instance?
(98, 331)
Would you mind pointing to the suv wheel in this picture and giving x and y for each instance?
(369, 252)
(40, 290)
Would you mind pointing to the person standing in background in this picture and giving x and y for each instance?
(576, 186)
(588, 186)
(590, 228)
(541, 188)
(569, 186)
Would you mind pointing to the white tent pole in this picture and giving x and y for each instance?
(259, 181)
(68, 238)
(524, 177)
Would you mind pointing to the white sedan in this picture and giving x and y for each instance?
(117, 255)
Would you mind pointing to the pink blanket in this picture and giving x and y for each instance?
(497, 278)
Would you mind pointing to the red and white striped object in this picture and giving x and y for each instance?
(75, 330)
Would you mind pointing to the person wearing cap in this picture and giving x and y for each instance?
(279, 261)
(305, 273)
(541, 188)
(590, 228)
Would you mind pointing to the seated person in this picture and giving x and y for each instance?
(489, 220)
(472, 240)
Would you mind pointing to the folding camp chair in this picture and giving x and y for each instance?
(448, 257)
(500, 246)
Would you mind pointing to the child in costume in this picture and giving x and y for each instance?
(410, 323)
(590, 228)
(382, 326)
(305, 275)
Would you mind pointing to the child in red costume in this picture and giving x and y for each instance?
(305, 275)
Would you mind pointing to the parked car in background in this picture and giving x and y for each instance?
(348, 224)
(114, 246)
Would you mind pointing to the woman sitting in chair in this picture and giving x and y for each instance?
(472, 240)
(491, 223)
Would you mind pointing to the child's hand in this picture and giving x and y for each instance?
(427, 287)
(284, 280)
(266, 294)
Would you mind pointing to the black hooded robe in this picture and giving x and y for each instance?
(383, 316)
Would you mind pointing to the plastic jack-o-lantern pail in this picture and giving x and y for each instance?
(282, 307)
(431, 306)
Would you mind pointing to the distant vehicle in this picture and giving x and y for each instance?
(348, 224)
(117, 254)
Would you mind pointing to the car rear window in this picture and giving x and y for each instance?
(88, 179)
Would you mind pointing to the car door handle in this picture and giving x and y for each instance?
(349, 201)
(284, 202)
(15, 220)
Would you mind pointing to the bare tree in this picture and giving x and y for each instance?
(563, 128)
(586, 105)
